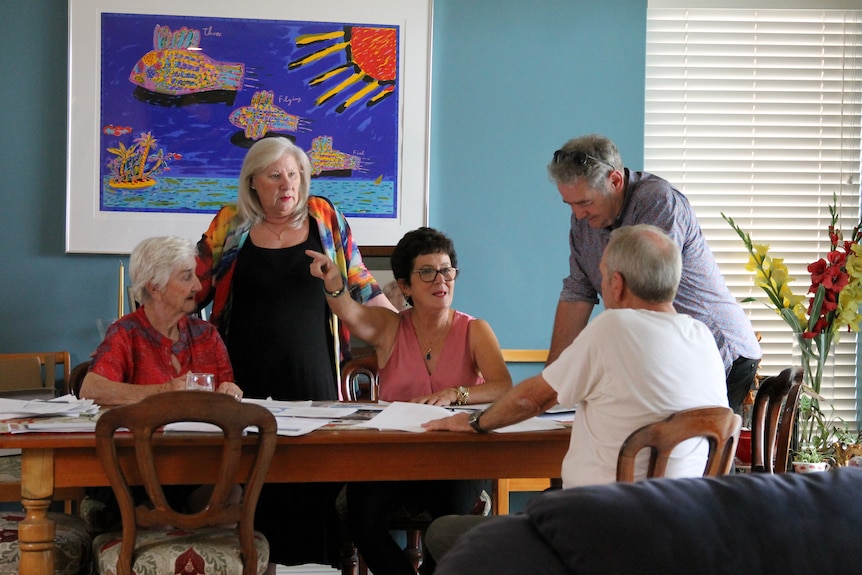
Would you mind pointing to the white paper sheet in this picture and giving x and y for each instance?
(295, 426)
(532, 424)
(68, 406)
(304, 409)
(410, 417)
(405, 416)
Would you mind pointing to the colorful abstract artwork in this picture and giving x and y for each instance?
(182, 98)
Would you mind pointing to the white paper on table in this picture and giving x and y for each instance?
(315, 412)
(379, 406)
(12, 408)
(184, 426)
(405, 416)
(532, 424)
(294, 426)
(470, 407)
(303, 409)
(200, 427)
(270, 403)
(64, 425)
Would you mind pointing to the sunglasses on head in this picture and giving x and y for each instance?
(577, 158)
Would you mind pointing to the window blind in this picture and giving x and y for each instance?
(756, 114)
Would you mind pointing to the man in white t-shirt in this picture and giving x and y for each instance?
(634, 364)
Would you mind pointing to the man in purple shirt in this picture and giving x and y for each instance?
(604, 195)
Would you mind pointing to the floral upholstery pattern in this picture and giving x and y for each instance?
(207, 551)
(72, 555)
(10, 469)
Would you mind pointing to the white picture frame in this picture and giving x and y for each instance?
(92, 230)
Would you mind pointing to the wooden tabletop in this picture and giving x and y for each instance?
(52, 460)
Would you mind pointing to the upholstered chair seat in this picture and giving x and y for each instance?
(186, 551)
(72, 544)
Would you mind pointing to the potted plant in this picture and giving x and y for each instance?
(808, 459)
(848, 448)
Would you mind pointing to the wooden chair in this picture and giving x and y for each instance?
(718, 425)
(360, 384)
(171, 540)
(76, 378)
(32, 375)
(772, 420)
(19, 377)
(504, 487)
(35, 375)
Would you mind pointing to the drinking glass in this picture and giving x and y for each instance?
(200, 382)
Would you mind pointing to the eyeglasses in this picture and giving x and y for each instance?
(428, 275)
(578, 158)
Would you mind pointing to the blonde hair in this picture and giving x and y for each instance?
(263, 153)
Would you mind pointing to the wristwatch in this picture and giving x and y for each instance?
(474, 421)
(463, 394)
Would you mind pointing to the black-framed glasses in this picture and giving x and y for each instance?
(428, 275)
(578, 158)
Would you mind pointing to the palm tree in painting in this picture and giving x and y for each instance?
(135, 166)
(145, 142)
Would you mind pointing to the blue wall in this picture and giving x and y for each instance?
(511, 82)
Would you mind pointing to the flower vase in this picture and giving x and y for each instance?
(814, 356)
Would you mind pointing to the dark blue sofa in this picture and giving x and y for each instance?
(736, 525)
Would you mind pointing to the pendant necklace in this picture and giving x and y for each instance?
(434, 341)
(273, 232)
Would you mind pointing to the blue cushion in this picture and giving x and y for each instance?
(503, 545)
(753, 523)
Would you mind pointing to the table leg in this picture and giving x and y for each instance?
(36, 532)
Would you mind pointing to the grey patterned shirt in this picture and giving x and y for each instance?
(702, 294)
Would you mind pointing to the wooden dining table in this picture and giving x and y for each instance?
(55, 460)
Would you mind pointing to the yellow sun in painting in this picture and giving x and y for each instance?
(372, 60)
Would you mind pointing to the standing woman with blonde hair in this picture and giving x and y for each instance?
(275, 321)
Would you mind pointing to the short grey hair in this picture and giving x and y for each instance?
(154, 260)
(648, 259)
(263, 153)
(593, 172)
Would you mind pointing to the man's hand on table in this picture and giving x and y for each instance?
(457, 422)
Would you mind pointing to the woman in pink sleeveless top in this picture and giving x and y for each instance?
(429, 353)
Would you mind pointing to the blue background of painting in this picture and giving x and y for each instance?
(201, 132)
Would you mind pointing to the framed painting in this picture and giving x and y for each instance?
(167, 96)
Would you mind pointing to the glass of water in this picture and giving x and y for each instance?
(200, 382)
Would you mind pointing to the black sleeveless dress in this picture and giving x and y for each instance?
(278, 339)
(280, 346)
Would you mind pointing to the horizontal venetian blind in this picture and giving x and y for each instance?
(756, 113)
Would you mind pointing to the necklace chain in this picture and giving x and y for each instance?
(440, 332)
(273, 232)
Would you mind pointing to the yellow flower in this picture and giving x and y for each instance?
(847, 314)
(854, 262)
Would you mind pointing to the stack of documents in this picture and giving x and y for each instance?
(62, 415)
(293, 417)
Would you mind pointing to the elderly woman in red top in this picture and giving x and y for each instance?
(153, 348)
(429, 353)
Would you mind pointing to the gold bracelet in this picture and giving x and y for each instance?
(463, 394)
